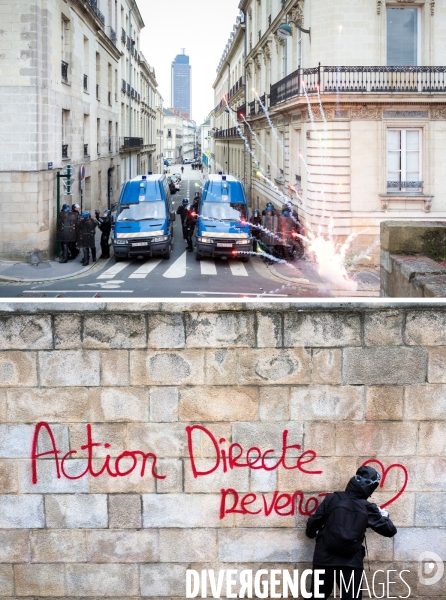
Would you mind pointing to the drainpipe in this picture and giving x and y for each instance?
(130, 83)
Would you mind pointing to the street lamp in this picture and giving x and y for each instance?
(285, 31)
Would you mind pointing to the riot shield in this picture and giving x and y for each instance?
(66, 227)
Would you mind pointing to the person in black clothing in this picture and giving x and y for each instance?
(66, 232)
(72, 246)
(255, 220)
(196, 202)
(189, 226)
(182, 211)
(86, 234)
(339, 525)
(105, 225)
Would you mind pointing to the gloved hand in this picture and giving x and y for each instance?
(96, 212)
(384, 513)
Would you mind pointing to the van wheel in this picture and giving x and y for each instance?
(166, 256)
(198, 256)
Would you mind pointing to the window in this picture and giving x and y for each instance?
(402, 37)
(404, 160)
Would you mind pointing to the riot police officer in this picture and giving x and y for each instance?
(182, 211)
(268, 208)
(66, 231)
(255, 220)
(196, 202)
(86, 237)
(105, 225)
(189, 226)
(72, 246)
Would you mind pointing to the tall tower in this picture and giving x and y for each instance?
(181, 94)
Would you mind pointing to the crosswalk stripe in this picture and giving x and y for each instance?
(238, 269)
(178, 269)
(113, 271)
(146, 268)
(208, 267)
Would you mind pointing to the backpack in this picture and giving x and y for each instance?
(345, 526)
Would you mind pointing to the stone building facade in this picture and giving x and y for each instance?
(371, 148)
(173, 135)
(349, 383)
(70, 87)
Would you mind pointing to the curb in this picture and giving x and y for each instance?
(61, 277)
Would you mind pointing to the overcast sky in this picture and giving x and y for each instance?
(203, 28)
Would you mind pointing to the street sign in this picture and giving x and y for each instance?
(50, 166)
(68, 170)
(82, 172)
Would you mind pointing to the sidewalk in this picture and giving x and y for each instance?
(50, 270)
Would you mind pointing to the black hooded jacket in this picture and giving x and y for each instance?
(315, 525)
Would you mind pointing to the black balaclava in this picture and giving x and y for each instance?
(357, 484)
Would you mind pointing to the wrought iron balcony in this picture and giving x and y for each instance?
(64, 71)
(128, 143)
(226, 133)
(94, 6)
(360, 80)
(86, 83)
(128, 89)
(409, 187)
(86, 150)
(252, 108)
(123, 85)
(111, 34)
(263, 101)
(64, 150)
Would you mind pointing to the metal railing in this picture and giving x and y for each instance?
(127, 143)
(123, 85)
(359, 80)
(94, 6)
(259, 107)
(252, 108)
(227, 133)
(86, 83)
(232, 92)
(64, 150)
(112, 34)
(404, 186)
(128, 89)
(64, 71)
(86, 150)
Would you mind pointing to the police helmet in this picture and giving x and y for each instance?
(185, 202)
(256, 212)
(107, 213)
(65, 208)
(75, 207)
(269, 206)
(85, 215)
(286, 213)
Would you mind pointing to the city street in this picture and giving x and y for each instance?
(181, 276)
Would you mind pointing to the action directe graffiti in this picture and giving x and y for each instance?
(227, 457)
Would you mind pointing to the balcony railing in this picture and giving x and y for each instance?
(226, 133)
(94, 6)
(128, 143)
(86, 150)
(111, 34)
(404, 186)
(128, 89)
(86, 83)
(259, 107)
(64, 71)
(252, 108)
(64, 150)
(123, 85)
(360, 80)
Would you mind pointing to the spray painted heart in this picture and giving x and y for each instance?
(384, 473)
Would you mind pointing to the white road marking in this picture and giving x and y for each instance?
(238, 269)
(208, 267)
(146, 268)
(178, 269)
(114, 270)
(91, 291)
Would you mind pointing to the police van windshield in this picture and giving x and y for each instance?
(224, 211)
(144, 211)
(134, 190)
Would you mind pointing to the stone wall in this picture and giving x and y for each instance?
(351, 383)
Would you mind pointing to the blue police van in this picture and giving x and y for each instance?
(143, 223)
(222, 227)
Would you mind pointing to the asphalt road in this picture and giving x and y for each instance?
(180, 277)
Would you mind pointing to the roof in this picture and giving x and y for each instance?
(219, 178)
(155, 177)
